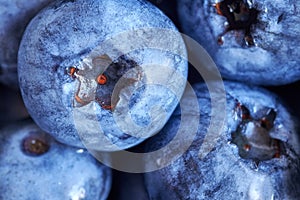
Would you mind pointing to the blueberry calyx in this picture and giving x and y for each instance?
(95, 85)
(240, 16)
(35, 145)
(252, 136)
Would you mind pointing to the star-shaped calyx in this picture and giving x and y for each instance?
(97, 80)
(240, 16)
(252, 136)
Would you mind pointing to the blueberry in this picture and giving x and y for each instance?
(75, 76)
(256, 156)
(14, 15)
(34, 166)
(250, 41)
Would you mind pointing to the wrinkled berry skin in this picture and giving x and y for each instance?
(34, 166)
(222, 173)
(272, 60)
(60, 37)
(14, 15)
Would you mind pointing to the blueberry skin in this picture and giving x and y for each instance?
(14, 15)
(223, 174)
(58, 172)
(274, 60)
(61, 36)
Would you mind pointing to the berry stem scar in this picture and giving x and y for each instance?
(240, 16)
(252, 136)
(89, 78)
(97, 80)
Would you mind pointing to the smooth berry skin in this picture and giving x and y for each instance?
(223, 173)
(61, 36)
(48, 169)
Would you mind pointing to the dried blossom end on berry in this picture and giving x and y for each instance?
(240, 16)
(35, 145)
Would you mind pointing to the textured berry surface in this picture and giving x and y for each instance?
(14, 15)
(272, 59)
(224, 173)
(56, 77)
(34, 166)
(255, 157)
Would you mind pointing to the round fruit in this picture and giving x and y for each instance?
(92, 69)
(256, 156)
(34, 166)
(14, 15)
(250, 41)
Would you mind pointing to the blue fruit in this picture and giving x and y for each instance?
(77, 77)
(34, 166)
(14, 15)
(255, 156)
(250, 41)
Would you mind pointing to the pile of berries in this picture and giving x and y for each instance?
(101, 99)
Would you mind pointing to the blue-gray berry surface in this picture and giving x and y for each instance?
(250, 41)
(14, 15)
(34, 166)
(256, 156)
(76, 78)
